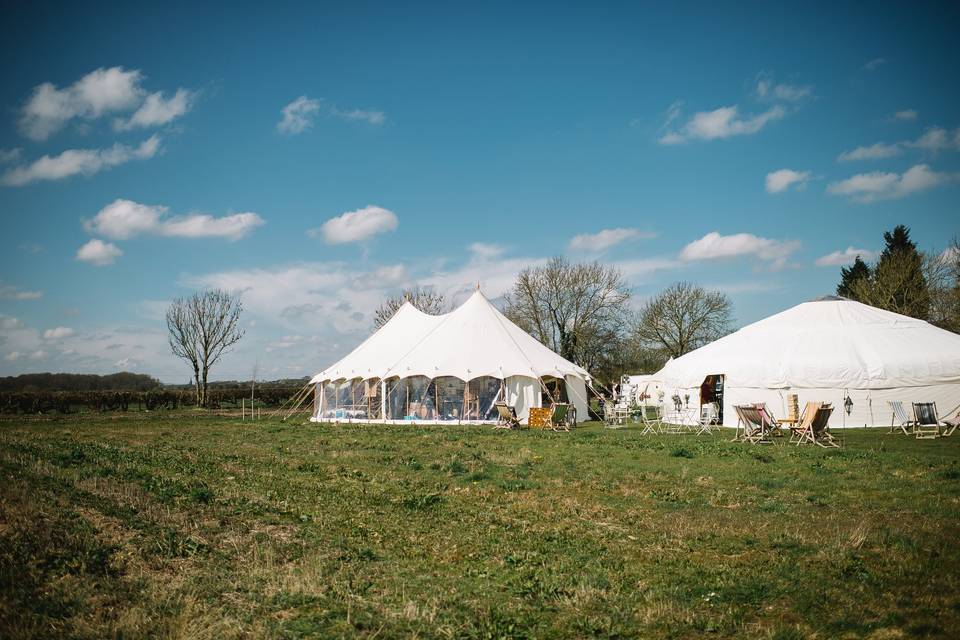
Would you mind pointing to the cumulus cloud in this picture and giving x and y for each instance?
(99, 253)
(767, 89)
(85, 162)
(937, 139)
(298, 116)
(8, 156)
(157, 110)
(715, 246)
(369, 116)
(878, 185)
(58, 333)
(606, 238)
(844, 257)
(9, 323)
(876, 151)
(781, 180)
(357, 226)
(10, 292)
(99, 92)
(722, 123)
(485, 250)
(124, 219)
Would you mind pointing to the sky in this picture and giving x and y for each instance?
(318, 159)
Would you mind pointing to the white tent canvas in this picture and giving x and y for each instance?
(451, 367)
(827, 350)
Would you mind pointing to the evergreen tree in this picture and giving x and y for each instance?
(897, 281)
(849, 275)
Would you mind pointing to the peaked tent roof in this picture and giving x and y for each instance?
(471, 341)
(826, 343)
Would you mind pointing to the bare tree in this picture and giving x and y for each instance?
(683, 318)
(578, 310)
(427, 300)
(942, 272)
(201, 329)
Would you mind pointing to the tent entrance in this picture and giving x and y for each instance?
(712, 391)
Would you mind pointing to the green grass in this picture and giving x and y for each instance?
(187, 526)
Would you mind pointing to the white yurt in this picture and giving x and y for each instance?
(449, 368)
(832, 350)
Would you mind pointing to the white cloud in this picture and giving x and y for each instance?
(79, 161)
(99, 253)
(874, 64)
(369, 116)
(781, 180)
(95, 94)
(846, 256)
(357, 226)
(722, 123)
(877, 185)
(907, 115)
(873, 152)
(485, 250)
(10, 292)
(13, 356)
(937, 139)
(156, 110)
(124, 219)
(767, 89)
(714, 246)
(9, 323)
(606, 238)
(298, 116)
(58, 333)
(9, 156)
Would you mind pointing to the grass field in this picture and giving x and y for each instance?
(188, 526)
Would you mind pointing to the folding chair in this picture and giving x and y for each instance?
(809, 413)
(950, 423)
(651, 419)
(816, 430)
(754, 430)
(507, 417)
(899, 419)
(708, 418)
(927, 424)
(770, 423)
(611, 419)
(558, 417)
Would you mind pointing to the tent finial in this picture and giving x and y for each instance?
(478, 285)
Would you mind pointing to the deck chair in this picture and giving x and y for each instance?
(507, 417)
(815, 427)
(806, 417)
(927, 423)
(650, 419)
(899, 418)
(950, 423)
(558, 417)
(708, 418)
(770, 423)
(754, 430)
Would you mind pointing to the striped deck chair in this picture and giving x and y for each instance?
(754, 430)
(770, 423)
(558, 417)
(951, 422)
(899, 418)
(927, 424)
(814, 427)
(507, 417)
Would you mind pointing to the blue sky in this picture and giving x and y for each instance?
(320, 158)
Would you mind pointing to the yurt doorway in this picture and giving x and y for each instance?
(712, 391)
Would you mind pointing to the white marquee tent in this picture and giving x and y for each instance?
(446, 368)
(826, 350)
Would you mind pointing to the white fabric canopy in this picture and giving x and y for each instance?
(826, 350)
(472, 341)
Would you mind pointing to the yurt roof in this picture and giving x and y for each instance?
(473, 340)
(830, 342)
